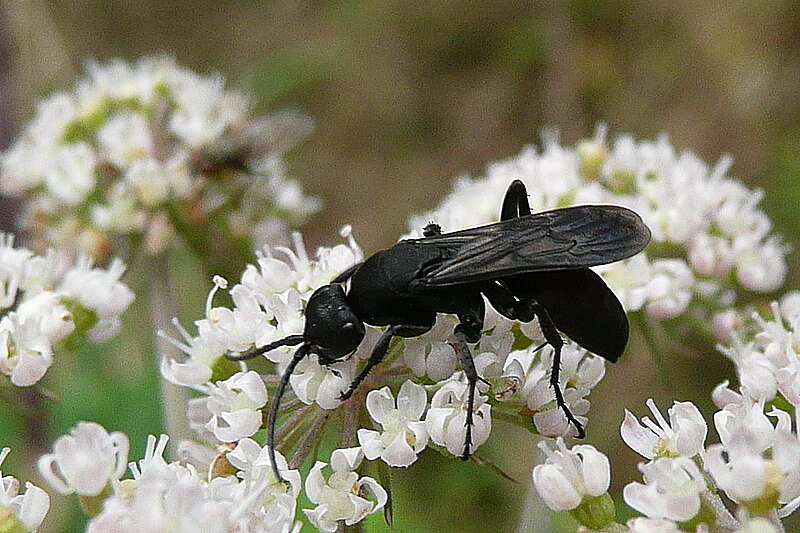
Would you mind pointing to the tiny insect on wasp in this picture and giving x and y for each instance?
(526, 265)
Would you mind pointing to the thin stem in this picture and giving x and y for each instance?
(163, 308)
(725, 519)
(653, 346)
(513, 419)
(309, 441)
(358, 527)
(290, 425)
(351, 420)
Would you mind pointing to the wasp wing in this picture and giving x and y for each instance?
(562, 239)
(581, 305)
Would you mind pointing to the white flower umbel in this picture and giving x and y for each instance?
(671, 490)
(756, 465)
(709, 235)
(167, 497)
(404, 435)
(235, 406)
(683, 435)
(20, 512)
(153, 150)
(86, 460)
(268, 305)
(767, 356)
(54, 300)
(275, 508)
(447, 416)
(343, 495)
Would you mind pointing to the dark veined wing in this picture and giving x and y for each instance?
(574, 237)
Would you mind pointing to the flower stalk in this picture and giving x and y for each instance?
(163, 308)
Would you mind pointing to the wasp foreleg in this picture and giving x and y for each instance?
(379, 352)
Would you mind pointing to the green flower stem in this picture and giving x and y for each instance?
(162, 309)
(648, 334)
(350, 423)
(292, 425)
(515, 419)
(92, 505)
(9, 523)
(775, 521)
(308, 443)
(724, 519)
(595, 513)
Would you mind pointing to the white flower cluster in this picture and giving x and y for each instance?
(142, 149)
(756, 465)
(20, 512)
(233, 491)
(46, 300)
(268, 305)
(766, 353)
(707, 227)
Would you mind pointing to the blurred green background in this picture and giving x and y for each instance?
(407, 96)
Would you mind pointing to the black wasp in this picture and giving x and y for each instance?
(527, 265)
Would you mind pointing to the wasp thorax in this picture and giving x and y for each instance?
(331, 326)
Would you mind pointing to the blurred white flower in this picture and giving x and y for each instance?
(72, 177)
(671, 489)
(568, 476)
(684, 434)
(86, 460)
(404, 436)
(321, 384)
(25, 351)
(125, 138)
(447, 416)
(669, 290)
(656, 525)
(343, 496)
(275, 508)
(144, 143)
(757, 525)
(20, 512)
(235, 406)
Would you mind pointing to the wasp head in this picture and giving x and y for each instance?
(332, 329)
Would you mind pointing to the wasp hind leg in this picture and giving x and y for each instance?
(469, 330)
(553, 338)
(525, 309)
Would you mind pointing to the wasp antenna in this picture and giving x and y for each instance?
(291, 340)
(276, 404)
